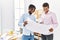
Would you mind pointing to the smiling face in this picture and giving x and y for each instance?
(31, 9)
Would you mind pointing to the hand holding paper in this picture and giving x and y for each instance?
(39, 28)
(51, 29)
(25, 23)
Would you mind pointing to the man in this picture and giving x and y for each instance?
(27, 34)
(48, 18)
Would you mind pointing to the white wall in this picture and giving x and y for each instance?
(0, 17)
(7, 15)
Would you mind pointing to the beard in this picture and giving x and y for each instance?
(30, 13)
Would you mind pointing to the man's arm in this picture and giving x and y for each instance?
(54, 21)
(20, 23)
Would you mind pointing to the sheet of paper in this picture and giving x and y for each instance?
(36, 27)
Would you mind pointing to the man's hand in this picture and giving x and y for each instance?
(41, 22)
(51, 29)
(25, 23)
(21, 30)
(37, 34)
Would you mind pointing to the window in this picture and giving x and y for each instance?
(19, 10)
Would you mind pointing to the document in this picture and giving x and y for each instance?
(36, 27)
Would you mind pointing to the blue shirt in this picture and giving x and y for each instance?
(21, 21)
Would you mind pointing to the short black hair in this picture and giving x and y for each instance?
(32, 6)
(45, 5)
